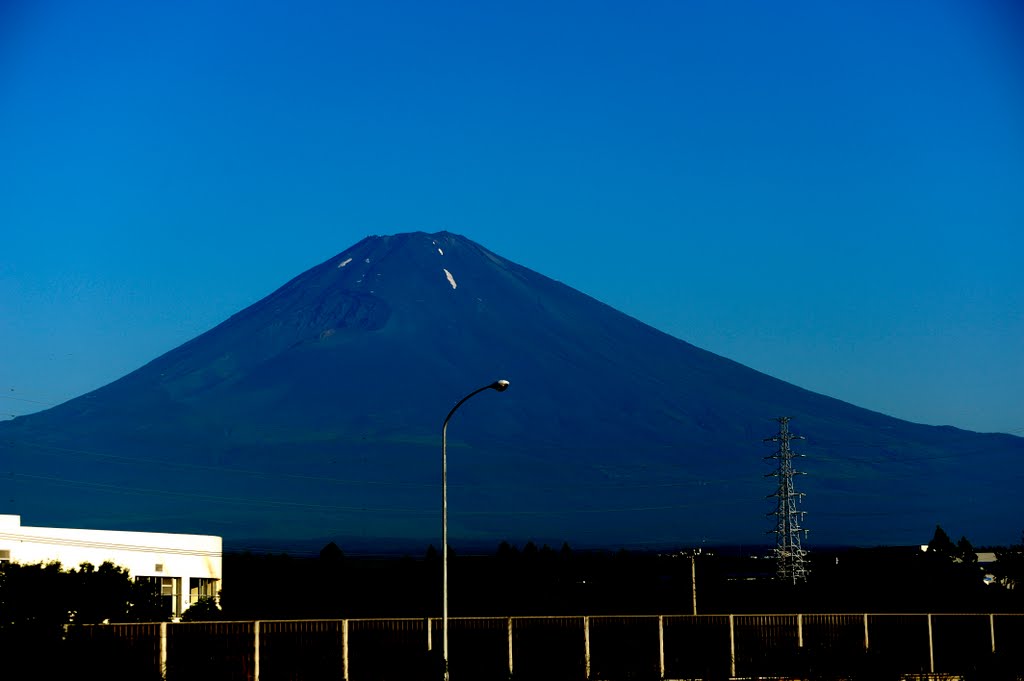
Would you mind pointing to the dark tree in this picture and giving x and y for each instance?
(506, 551)
(203, 610)
(101, 594)
(941, 546)
(331, 553)
(965, 552)
(1010, 567)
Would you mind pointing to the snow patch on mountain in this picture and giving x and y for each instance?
(344, 262)
(451, 279)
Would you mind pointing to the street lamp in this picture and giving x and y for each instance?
(500, 386)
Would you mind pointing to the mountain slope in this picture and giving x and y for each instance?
(316, 412)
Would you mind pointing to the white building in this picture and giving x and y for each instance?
(186, 566)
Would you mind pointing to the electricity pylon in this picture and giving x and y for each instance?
(791, 566)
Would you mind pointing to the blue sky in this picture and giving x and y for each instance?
(829, 192)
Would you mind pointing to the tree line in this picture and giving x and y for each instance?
(38, 600)
(543, 580)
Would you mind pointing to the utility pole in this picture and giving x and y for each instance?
(791, 566)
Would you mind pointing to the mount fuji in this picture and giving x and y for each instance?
(316, 413)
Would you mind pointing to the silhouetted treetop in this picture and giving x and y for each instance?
(941, 546)
(965, 552)
(331, 553)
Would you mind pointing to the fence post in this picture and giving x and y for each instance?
(661, 646)
(931, 648)
(693, 581)
(256, 651)
(163, 650)
(430, 636)
(510, 647)
(586, 648)
(992, 631)
(867, 641)
(732, 647)
(344, 650)
(799, 631)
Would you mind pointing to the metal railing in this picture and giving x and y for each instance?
(818, 646)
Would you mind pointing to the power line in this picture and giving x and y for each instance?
(120, 489)
(167, 463)
(25, 399)
(81, 543)
(611, 486)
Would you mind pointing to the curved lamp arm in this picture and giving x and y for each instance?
(501, 386)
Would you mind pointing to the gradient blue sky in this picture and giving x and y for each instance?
(829, 192)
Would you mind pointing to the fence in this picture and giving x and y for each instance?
(633, 648)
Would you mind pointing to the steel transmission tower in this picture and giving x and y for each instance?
(789, 554)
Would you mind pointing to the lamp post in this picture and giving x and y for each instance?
(500, 386)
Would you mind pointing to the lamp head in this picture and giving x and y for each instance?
(501, 386)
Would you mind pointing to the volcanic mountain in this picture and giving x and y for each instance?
(316, 413)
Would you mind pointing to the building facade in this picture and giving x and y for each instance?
(185, 567)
